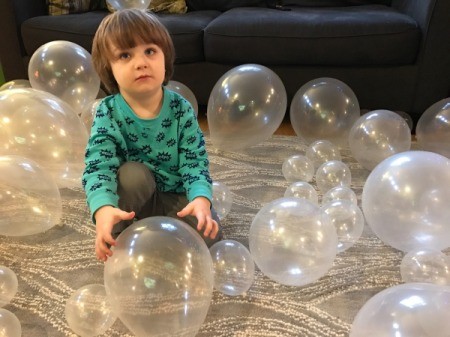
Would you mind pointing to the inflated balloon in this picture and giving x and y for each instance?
(16, 84)
(89, 312)
(160, 278)
(348, 220)
(65, 70)
(297, 168)
(324, 108)
(234, 269)
(37, 125)
(378, 135)
(407, 117)
(433, 128)
(340, 193)
(246, 106)
(184, 91)
(405, 201)
(124, 4)
(292, 241)
(9, 324)
(331, 174)
(411, 309)
(88, 114)
(426, 265)
(303, 190)
(30, 199)
(222, 199)
(8, 285)
(321, 151)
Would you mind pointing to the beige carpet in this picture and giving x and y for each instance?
(52, 265)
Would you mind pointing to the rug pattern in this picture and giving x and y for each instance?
(52, 265)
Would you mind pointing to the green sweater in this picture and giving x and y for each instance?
(171, 145)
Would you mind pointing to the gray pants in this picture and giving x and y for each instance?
(137, 192)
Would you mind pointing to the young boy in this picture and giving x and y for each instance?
(146, 154)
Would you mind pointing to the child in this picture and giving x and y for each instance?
(146, 154)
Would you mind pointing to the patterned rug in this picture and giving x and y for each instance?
(52, 265)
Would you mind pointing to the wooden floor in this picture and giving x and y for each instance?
(284, 129)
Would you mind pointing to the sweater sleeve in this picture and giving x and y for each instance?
(194, 163)
(102, 159)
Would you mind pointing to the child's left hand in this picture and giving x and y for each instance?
(200, 207)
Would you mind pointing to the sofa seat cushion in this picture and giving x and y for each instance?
(353, 35)
(186, 31)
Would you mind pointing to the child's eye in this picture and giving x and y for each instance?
(124, 56)
(149, 51)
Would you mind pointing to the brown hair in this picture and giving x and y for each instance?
(125, 29)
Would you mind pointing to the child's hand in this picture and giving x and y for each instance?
(105, 218)
(200, 208)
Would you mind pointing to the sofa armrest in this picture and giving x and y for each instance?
(433, 77)
(12, 14)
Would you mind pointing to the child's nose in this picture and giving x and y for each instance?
(141, 62)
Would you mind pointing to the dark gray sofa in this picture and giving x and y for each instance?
(394, 54)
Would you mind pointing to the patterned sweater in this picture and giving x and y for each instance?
(171, 145)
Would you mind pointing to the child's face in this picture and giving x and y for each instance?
(139, 70)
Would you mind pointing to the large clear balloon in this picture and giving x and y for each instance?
(16, 84)
(292, 241)
(222, 199)
(377, 135)
(433, 128)
(30, 198)
(246, 106)
(331, 174)
(37, 125)
(160, 278)
(405, 201)
(8, 285)
(184, 91)
(324, 108)
(124, 4)
(348, 220)
(303, 190)
(426, 265)
(234, 269)
(298, 168)
(411, 309)
(89, 312)
(88, 114)
(340, 193)
(65, 70)
(9, 324)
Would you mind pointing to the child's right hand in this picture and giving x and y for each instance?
(105, 218)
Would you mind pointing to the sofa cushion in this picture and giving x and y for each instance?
(222, 5)
(186, 31)
(354, 35)
(59, 7)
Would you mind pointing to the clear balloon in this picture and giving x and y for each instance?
(340, 193)
(88, 114)
(411, 309)
(433, 128)
(321, 151)
(246, 106)
(222, 199)
(8, 285)
(303, 190)
(405, 201)
(348, 220)
(292, 241)
(234, 269)
(89, 312)
(324, 108)
(407, 117)
(16, 84)
(65, 70)
(124, 4)
(184, 91)
(30, 198)
(9, 324)
(378, 135)
(160, 278)
(427, 266)
(298, 168)
(331, 174)
(37, 125)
